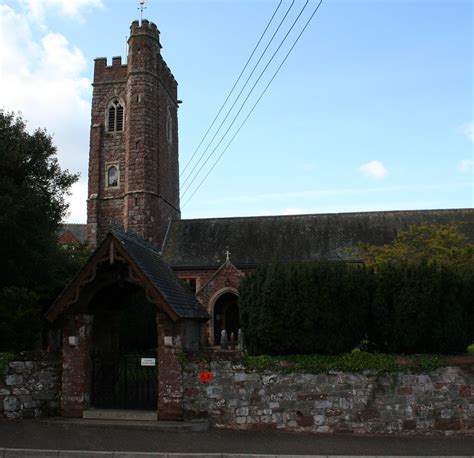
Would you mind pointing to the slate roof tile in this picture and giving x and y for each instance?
(163, 278)
(198, 243)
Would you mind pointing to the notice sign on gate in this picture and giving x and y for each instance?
(148, 362)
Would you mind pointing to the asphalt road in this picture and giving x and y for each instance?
(32, 434)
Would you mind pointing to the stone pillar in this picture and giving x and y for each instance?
(76, 365)
(170, 377)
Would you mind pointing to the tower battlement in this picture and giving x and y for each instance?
(141, 55)
(145, 28)
(104, 72)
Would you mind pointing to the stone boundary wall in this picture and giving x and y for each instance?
(337, 402)
(30, 385)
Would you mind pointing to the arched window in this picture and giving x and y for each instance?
(112, 176)
(169, 126)
(115, 116)
(226, 316)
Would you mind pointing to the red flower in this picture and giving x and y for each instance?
(205, 377)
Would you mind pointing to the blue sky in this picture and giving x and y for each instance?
(373, 109)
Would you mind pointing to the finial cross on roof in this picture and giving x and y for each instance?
(227, 255)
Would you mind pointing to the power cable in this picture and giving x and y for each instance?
(232, 90)
(240, 93)
(245, 101)
(256, 103)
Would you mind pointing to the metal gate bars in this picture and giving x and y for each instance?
(124, 381)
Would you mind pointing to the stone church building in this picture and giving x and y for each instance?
(157, 284)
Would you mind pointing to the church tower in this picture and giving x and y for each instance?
(133, 160)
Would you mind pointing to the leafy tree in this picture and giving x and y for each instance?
(426, 276)
(442, 245)
(33, 191)
(20, 319)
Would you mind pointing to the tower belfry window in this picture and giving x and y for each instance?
(115, 116)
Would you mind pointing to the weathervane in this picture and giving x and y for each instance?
(141, 8)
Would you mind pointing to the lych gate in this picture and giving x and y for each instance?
(125, 318)
(124, 349)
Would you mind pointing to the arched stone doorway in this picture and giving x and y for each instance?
(226, 316)
(123, 334)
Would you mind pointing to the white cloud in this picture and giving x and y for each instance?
(37, 9)
(468, 130)
(374, 169)
(42, 79)
(77, 202)
(466, 165)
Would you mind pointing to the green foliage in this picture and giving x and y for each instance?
(20, 323)
(34, 269)
(33, 191)
(304, 308)
(360, 361)
(470, 350)
(421, 308)
(428, 244)
(68, 260)
(5, 358)
(330, 309)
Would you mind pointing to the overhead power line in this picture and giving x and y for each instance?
(246, 99)
(232, 90)
(240, 93)
(253, 107)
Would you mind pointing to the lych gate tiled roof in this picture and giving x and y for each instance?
(170, 293)
(327, 237)
(181, 300)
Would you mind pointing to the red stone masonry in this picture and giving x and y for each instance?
(68, 238)
(226, 278)
(210, 284)
(170, 377)
(76, 365)
(148, 192)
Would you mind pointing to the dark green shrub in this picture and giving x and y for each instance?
(421, 309)
(305, 308)
(20, 320)
(332, 308)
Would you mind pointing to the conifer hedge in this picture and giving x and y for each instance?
(333, 308)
